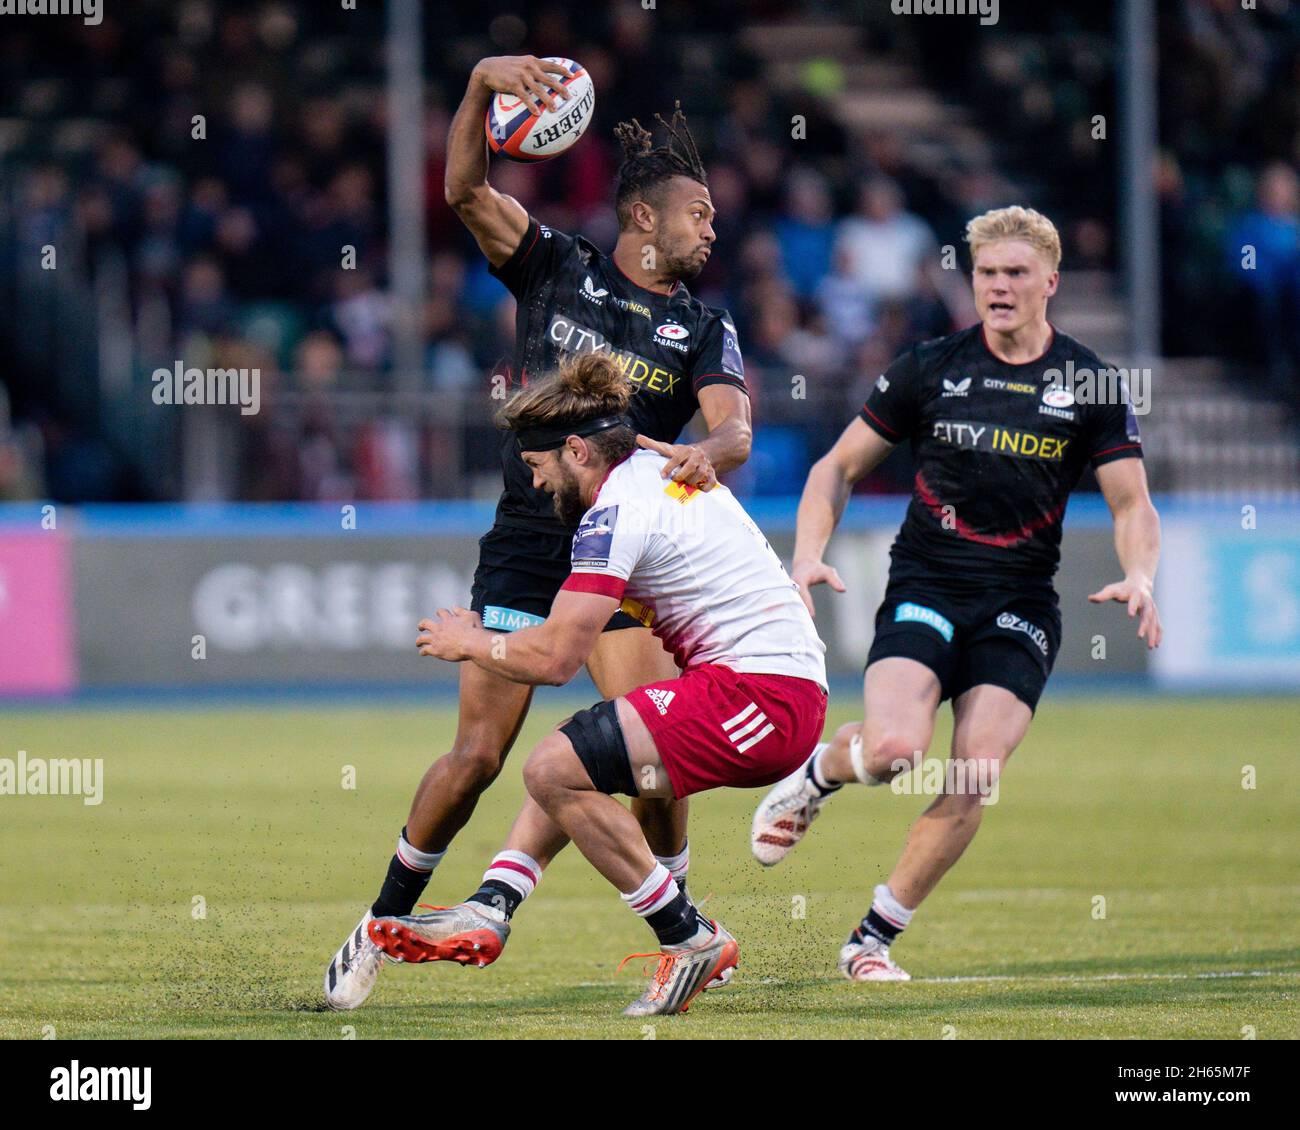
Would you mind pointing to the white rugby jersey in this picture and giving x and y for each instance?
(694, 568)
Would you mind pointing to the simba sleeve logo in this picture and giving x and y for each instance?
(591, 544)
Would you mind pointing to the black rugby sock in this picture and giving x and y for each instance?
(874, 926)
(499, 896)
(408, 875)
(401, 890)
(677, 922)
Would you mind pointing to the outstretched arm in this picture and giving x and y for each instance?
(857, 452)
(497, 221)
(1137, 544)
(550, 653)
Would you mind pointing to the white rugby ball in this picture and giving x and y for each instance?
(516, 130)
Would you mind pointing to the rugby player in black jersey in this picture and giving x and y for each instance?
(999, 438)
(682, 356)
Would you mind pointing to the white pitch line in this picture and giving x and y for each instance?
(1056, 978)
(1074, 978)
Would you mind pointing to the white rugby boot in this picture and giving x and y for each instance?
(869, 960)
(784, 816)
(353, 971)
(683, 972)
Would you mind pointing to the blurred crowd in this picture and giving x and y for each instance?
(259, 238)
(1228, 186)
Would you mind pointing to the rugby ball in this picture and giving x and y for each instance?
(518, 131)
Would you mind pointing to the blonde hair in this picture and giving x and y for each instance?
(586, 384)
(1019, 223)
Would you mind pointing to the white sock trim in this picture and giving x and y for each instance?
(855, 759)
(890, 909)
(516, 869)
(658, 890)
(416, 859)
(815, 767)
(678, 864)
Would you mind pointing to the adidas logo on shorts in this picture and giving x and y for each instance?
(661, 698)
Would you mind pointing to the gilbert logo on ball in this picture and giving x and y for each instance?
(518, 131)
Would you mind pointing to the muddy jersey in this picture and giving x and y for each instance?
(572, 299)
(693, 567)
(997, 449)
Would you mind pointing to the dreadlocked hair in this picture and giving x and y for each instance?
(584, 386)
(645, 168)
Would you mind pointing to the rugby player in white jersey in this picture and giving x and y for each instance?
(745, 711)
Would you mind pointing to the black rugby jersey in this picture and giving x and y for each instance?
(997, 449)
(573, 298)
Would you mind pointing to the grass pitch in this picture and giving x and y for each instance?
(205, 895)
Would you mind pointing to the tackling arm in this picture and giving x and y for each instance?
(550, 653)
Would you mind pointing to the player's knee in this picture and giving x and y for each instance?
(476, 761)
(549, 768)
(889, 751)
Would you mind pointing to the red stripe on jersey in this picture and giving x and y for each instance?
(536, 236)
(968, 532)
(602, 584)
(881, 422)
(1112, 450)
